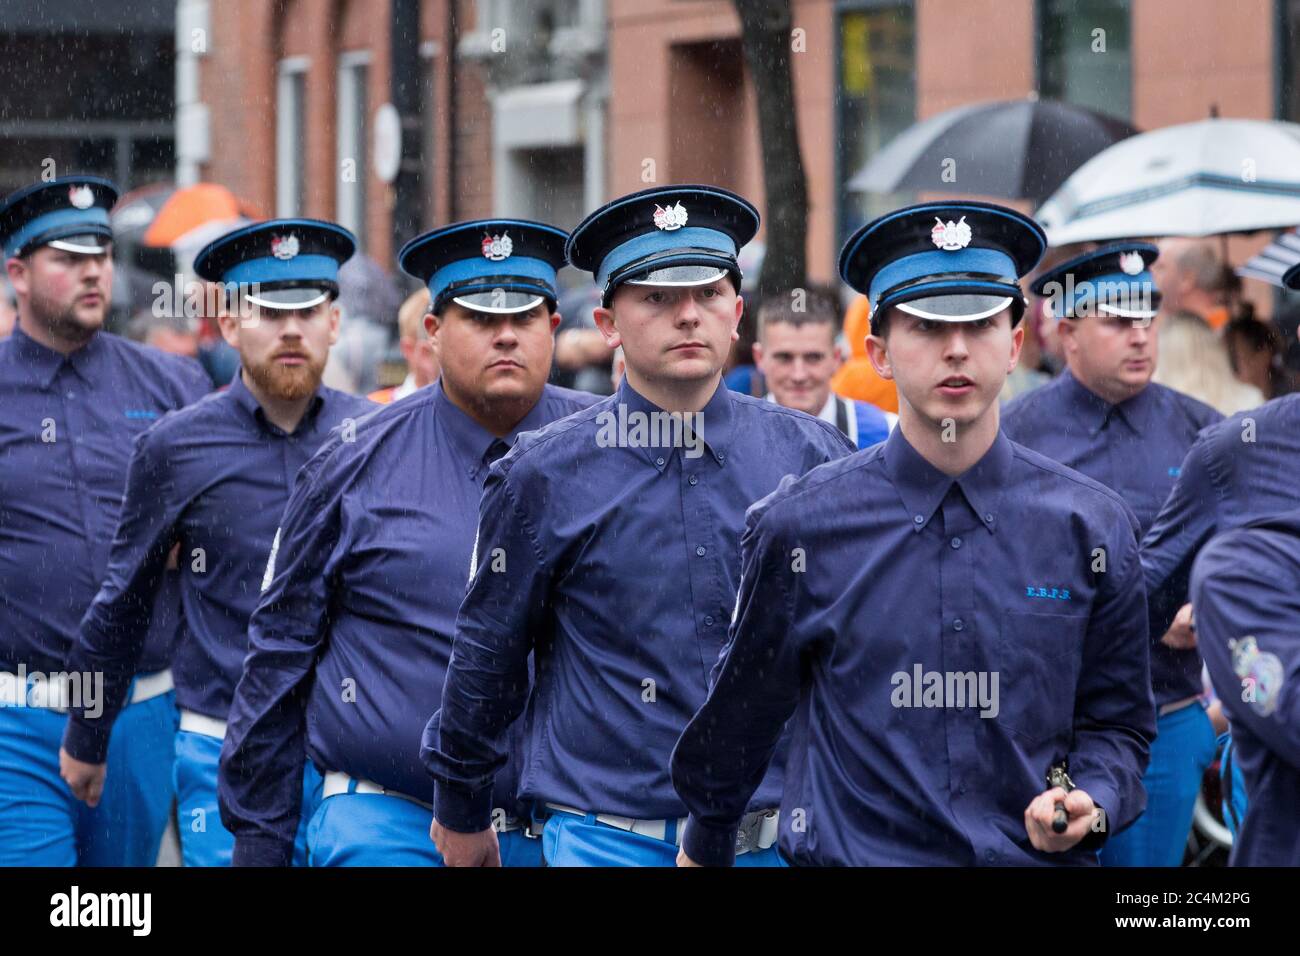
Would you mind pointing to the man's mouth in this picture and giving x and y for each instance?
(505, 363)
(291, 358)
(688, 345)
(956, 385)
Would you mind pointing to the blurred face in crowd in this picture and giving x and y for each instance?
(174, 341)
(420, 357)
(283, 351)
(672, 334)
(947, 371)
(1112, 357)
(797, 362)
(488, 358)
(65, 294)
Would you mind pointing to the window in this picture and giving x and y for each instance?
(353, 142)
(291, 138)
(1287, 46)
(1085, 54)
(876, 97)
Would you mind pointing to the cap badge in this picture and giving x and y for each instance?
(1261, 675)
(950, 236)
(1131, 263)
(284, 247)
(82, 197)
(669, 218)
(497, 248)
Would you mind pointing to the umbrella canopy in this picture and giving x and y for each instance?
(1272, 262)
(1212, 177)
(1012, 149)
(191, 208)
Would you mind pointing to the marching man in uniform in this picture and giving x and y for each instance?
(950, 619)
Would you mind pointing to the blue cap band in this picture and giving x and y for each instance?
(1113, 286)
(93, 219)
(464, 269)
(301, 268)
(647, 244)
(940, 263)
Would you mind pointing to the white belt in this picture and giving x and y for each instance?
(758, 830)
(1176, 705)
(337, 782)
(203, 724)
(56, 690)
(149, 686)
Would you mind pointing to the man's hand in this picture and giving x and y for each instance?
(1038, 819)
(85, 779)
(466, 849)
(1181, 635)
(684, 860)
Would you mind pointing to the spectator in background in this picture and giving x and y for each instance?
(797, 354)
(1028, 374)
(417, 349)
(857, 378)
(582, 359)
(1194, 361)
(369, 300)
(1192, 277)
(1255, 350)
(8, 309)
(175, 334)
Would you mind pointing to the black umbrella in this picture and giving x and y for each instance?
(1013, 149)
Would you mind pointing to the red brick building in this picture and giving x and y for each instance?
(548, 107)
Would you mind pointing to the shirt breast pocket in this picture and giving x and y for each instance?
(1038, 661)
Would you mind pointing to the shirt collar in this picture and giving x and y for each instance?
(43, 363)
(471, 439)
(246, 400)
(1093, 412)
(715, 422)
(828, 412)
(923, 487)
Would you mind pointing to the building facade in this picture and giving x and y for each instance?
(545, 108)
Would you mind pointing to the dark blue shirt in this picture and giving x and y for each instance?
(618, 558)
(213, 477)
(1238, 471)
(916, 587)
(1135, 448)
(67, 428)
(349, 643)
(1246, 591)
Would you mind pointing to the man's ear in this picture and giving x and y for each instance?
(740, 311)
(555, 321)
(605, 322)
(878, 353)
(17, 270)
(1017, 343)
(758, 354)
(336, 315)
(229, 322)
(432, 323)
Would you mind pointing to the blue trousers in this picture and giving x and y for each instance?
(204, 841)
(375, 829)
(1184, 747)
(1232, 785)
(569, 840)
(43, 824)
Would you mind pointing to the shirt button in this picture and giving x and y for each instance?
(962, 788)
(958, 624)
(956, 543)
(700, 550)
(988, 518)
(708, 620)
(693, 480)
(721, 457)
(70, 395)
(991, 855)
(919, 519)
(659, 462)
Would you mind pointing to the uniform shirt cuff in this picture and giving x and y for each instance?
(709, 846)
(87, 740)
(464, 811)
(1105, 799)
(262, 850)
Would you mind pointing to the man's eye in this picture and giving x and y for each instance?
(655, 297)
(982, 323)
